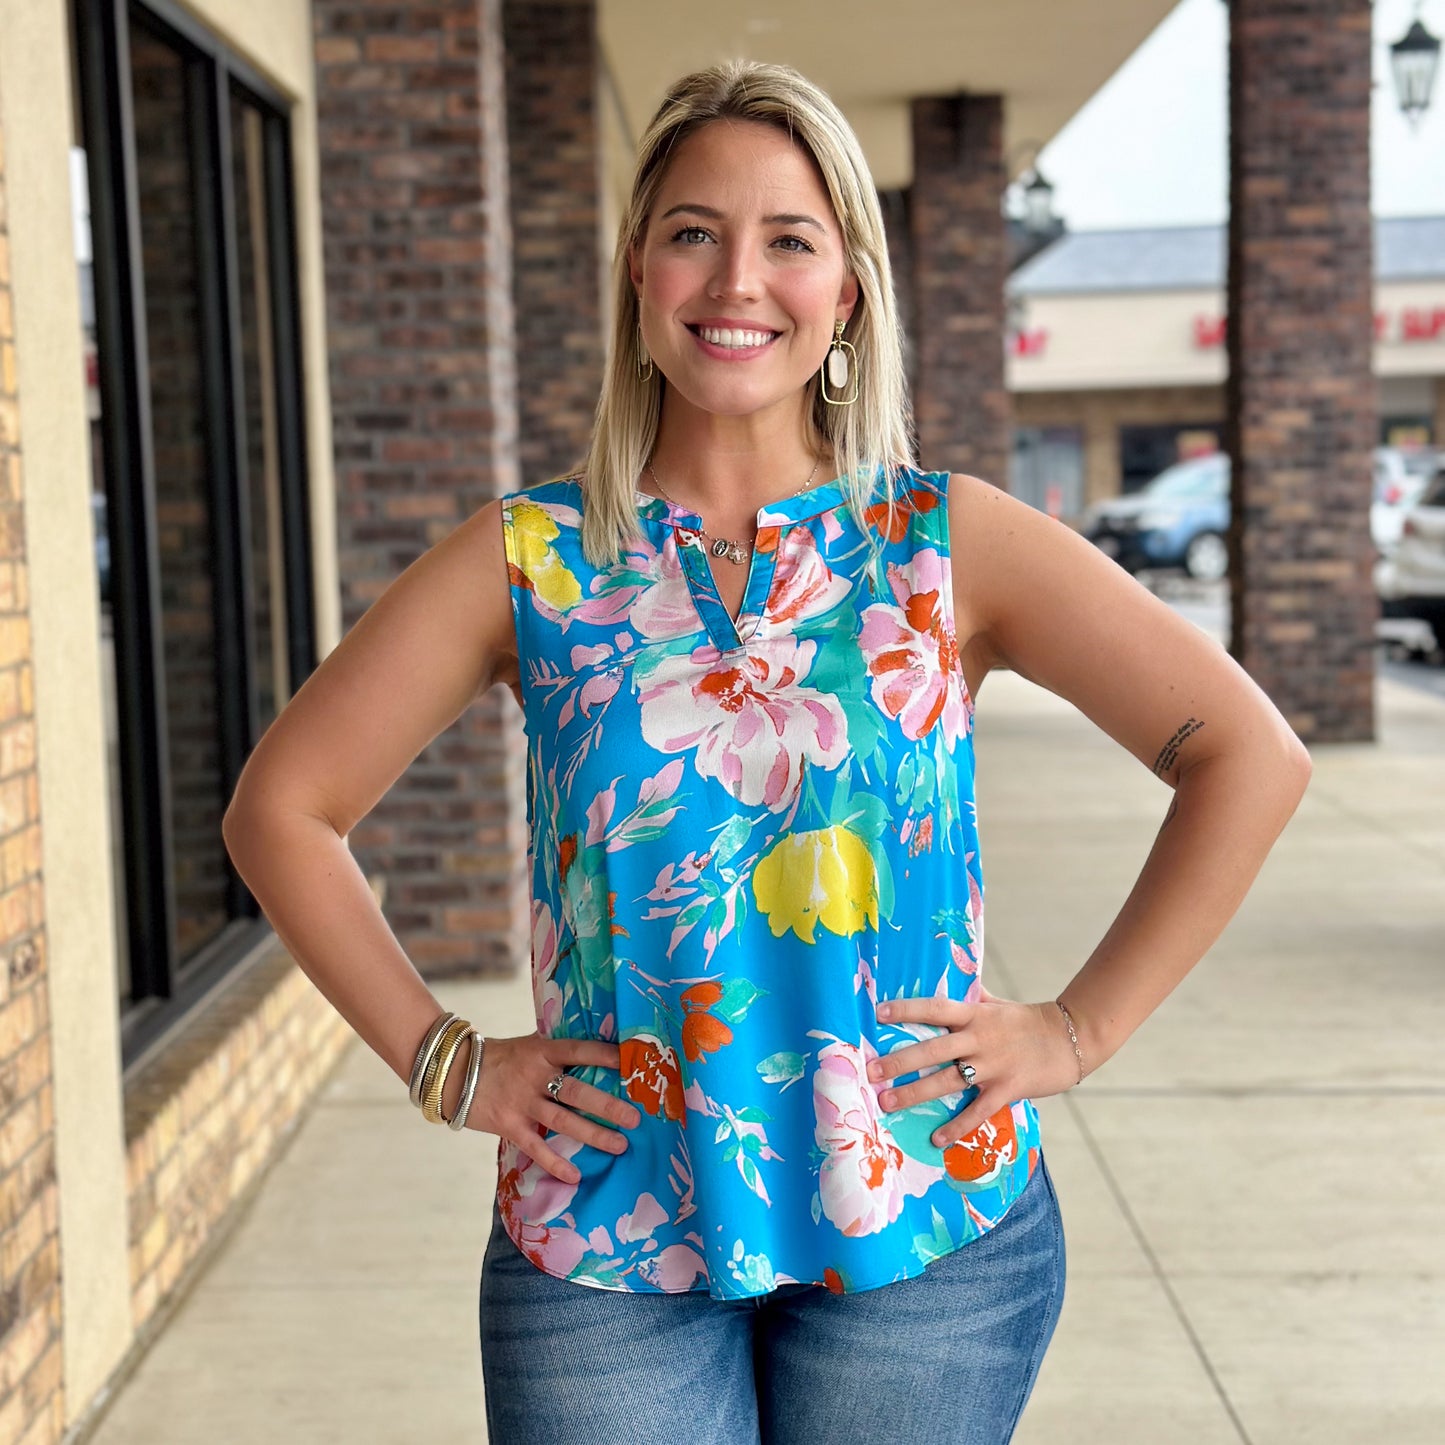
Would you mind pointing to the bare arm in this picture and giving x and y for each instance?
(1033, 596)
(439, 636)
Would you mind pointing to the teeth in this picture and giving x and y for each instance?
(735, 338)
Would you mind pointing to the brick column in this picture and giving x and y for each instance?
(411, 131)
(555, 178)
(31, 1401)
(1300, 398)
(959, 247)
(894, 205)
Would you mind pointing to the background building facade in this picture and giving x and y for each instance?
(287, 290)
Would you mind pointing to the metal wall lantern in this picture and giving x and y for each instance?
(1038, 218)
(1413, 61)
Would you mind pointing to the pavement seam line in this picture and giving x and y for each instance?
(1175, 1303)
(995, 962)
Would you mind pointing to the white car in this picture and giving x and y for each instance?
(1399, 479)
(1411, 581)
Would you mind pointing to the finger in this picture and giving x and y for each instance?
(946, 1012)
(574, 1126)
(536, 1148)
(591, 1100)
(974, 1117)
(568, 1053)
(933, 1086)
(942, 1049)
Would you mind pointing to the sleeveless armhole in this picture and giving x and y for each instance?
(942, 532)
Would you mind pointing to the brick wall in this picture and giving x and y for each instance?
(959, 248)
(206, 1114)
(555, 180)
(32, 1408)
(1300, 395)
(412, 136)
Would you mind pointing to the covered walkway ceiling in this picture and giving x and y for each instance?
(872, 56)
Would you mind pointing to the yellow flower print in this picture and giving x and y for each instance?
(826, 876)
(533, 533)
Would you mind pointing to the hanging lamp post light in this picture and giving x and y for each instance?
(1039, 215)
(1413, 61)
(1038, 218)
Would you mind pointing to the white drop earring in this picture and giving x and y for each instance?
(836, 369)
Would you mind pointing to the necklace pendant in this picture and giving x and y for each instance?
(722, 548)
(736, 554)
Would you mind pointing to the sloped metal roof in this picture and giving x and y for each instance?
(1176, 258)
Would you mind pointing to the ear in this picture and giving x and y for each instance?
(634, 264)
(848, 297)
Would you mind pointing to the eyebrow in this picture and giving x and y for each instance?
(779, 220)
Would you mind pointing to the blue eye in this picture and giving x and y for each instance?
(689, 231)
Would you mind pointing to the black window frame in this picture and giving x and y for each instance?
(163, 991)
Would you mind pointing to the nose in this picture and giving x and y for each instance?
(735, 274)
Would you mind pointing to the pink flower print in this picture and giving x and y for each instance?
(804, 585)
(749, 717)
(674, 1269)
(664, 609)
(912, 651)
(646, 1215)
(864, 1176)
(545, 993)
(533, 1202)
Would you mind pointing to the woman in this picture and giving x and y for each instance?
(770, 1167)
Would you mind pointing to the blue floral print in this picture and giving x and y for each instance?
(744, 835)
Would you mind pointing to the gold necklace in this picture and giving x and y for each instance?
(724, 547)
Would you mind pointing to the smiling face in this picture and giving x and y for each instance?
(740, 271)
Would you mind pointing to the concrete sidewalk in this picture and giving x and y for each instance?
(1251, 1188)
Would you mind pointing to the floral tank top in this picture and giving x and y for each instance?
(742, 838)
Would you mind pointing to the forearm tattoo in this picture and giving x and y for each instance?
(1169, 753)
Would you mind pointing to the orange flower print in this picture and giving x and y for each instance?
(978, 1158)
(652, 1077)
(702, 1032)
(702, 995)
(890, 519)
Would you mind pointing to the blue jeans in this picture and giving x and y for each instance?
(950, 1355)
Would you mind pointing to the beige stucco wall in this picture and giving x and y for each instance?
(1145, 339)
(74, 800)
(35, 109)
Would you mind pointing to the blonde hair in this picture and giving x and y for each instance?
(874, 430)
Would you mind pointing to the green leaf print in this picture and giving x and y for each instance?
(738, 996)
(907, 775)
(929, 1247)
(782, 1068)
(912, 1130)
(924, 788)
(731, 836)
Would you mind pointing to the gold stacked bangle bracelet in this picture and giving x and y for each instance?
(434, 1060)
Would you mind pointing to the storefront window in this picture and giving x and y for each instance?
(182, 161)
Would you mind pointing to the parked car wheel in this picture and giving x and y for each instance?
(1206, 558)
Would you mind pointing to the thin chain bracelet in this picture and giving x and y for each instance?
(1073, 1037)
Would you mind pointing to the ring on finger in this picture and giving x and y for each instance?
(554, 1087)
(967, 1073)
